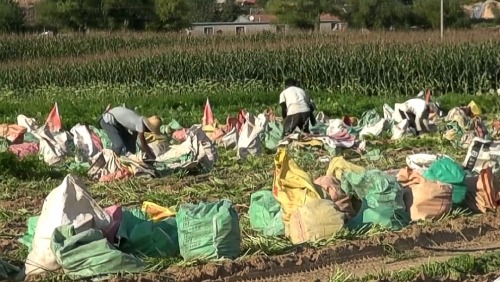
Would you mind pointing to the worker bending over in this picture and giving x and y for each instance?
(124, 126)
(417, 112)
(296, 107)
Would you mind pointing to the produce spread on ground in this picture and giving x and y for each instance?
(226, 199)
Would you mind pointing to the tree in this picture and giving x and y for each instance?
(304, 14)
(173, 14)
(377, 13)
(227, 11)
(130, 14)
(11, 16)
(74, 14)
(202, 10)
(429, 13)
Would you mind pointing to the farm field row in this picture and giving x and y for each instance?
(185, 102)
(375, 65)
(231, 179)
(25, 48)
(172, 76)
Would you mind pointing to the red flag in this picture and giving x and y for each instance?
(208, 116)
(54, 121)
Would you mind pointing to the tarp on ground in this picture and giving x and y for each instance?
(89, 254)
(368, 118)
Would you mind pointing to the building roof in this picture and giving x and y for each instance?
(267, 18)
(246, 2)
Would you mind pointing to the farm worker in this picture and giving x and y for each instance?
(124, 126)
(417, 111)
(296, 107)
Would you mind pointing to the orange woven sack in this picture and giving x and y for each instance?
(424, 199)
(483, 192)
(12, 132)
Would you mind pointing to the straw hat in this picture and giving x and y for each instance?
(153, 123)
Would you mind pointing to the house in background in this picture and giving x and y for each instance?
(260, 22)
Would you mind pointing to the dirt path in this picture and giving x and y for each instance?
(414, 246)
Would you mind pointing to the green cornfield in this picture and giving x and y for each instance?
(373, 64)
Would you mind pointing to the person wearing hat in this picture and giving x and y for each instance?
(417, 112)
(124, 126)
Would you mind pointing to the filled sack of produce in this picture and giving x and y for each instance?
(70, 203)
(382, 200)
(141, 236)
(332, 186)
(446, 170)
(424, 199)
(292, 187)
(483, 191)
(316, 220)
(338, 166)
(265, 214)
(208, 231)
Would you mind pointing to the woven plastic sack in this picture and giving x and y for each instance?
(265, 214)
(446, 170)
(474, 108)
(208, 231)
(483, 193)
(88, 254)
(316, 220)
(424, 199)
(140, 236)
(27, 238)
(332, 186)
(382, 200)
(156, 212)
(69, 203)
(292, 186)
(272, 136)
(12, 132)
(338, 166)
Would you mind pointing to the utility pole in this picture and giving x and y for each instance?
(442, 19)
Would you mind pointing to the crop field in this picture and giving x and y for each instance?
(172, 76)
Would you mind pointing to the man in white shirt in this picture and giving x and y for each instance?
(124, 126)
(296, 107)
(417, 111)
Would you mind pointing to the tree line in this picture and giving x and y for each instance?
(175, 15)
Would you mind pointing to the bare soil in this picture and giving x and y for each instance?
(414, 246)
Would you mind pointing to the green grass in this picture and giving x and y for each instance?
(185, 103)
(456, 269)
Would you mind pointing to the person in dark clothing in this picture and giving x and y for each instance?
(296, 107)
